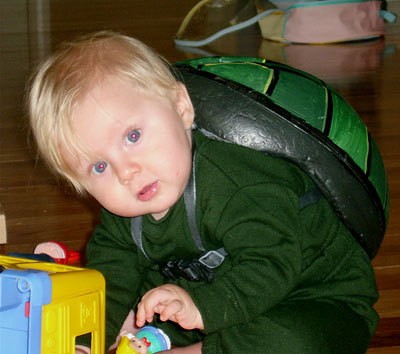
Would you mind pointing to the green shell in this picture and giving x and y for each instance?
(283, 111)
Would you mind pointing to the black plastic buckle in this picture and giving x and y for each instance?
(189, 270)
(196, 270)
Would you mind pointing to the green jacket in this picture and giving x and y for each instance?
(248, 203)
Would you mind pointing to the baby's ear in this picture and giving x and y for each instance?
(184, 106)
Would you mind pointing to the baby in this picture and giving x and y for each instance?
(112, 117)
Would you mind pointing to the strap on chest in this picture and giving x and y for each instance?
(211, 259)
(195, 270)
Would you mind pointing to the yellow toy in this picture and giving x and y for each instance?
(45, 306)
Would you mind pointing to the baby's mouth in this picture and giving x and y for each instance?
(148, 192)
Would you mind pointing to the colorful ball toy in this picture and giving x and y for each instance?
(148, 340)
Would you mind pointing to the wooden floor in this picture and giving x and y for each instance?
(38, 208)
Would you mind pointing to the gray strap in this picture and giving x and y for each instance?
(189, 197)
(136, 232)
(211, 259)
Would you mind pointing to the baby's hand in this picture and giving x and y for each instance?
(171, 302)
(80, 349)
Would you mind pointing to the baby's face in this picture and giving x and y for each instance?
(142, 148)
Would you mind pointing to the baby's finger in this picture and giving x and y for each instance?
(140, 316)
(169, 311)
(144, 313)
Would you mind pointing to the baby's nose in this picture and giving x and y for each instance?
(127, 172)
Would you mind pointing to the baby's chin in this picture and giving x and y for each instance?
(157, 209)
(156, 214)
(159, 215)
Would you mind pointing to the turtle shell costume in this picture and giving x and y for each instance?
(288, 113)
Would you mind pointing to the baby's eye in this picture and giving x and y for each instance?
(99, 167)
(133, 136)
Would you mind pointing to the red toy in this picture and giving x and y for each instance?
(58, 252)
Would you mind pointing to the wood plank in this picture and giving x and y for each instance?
(384, 350)
(387, 334)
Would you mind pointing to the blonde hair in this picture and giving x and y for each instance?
(67, 75)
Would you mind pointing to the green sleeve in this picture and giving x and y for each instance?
(112, 252)
(261, 231)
